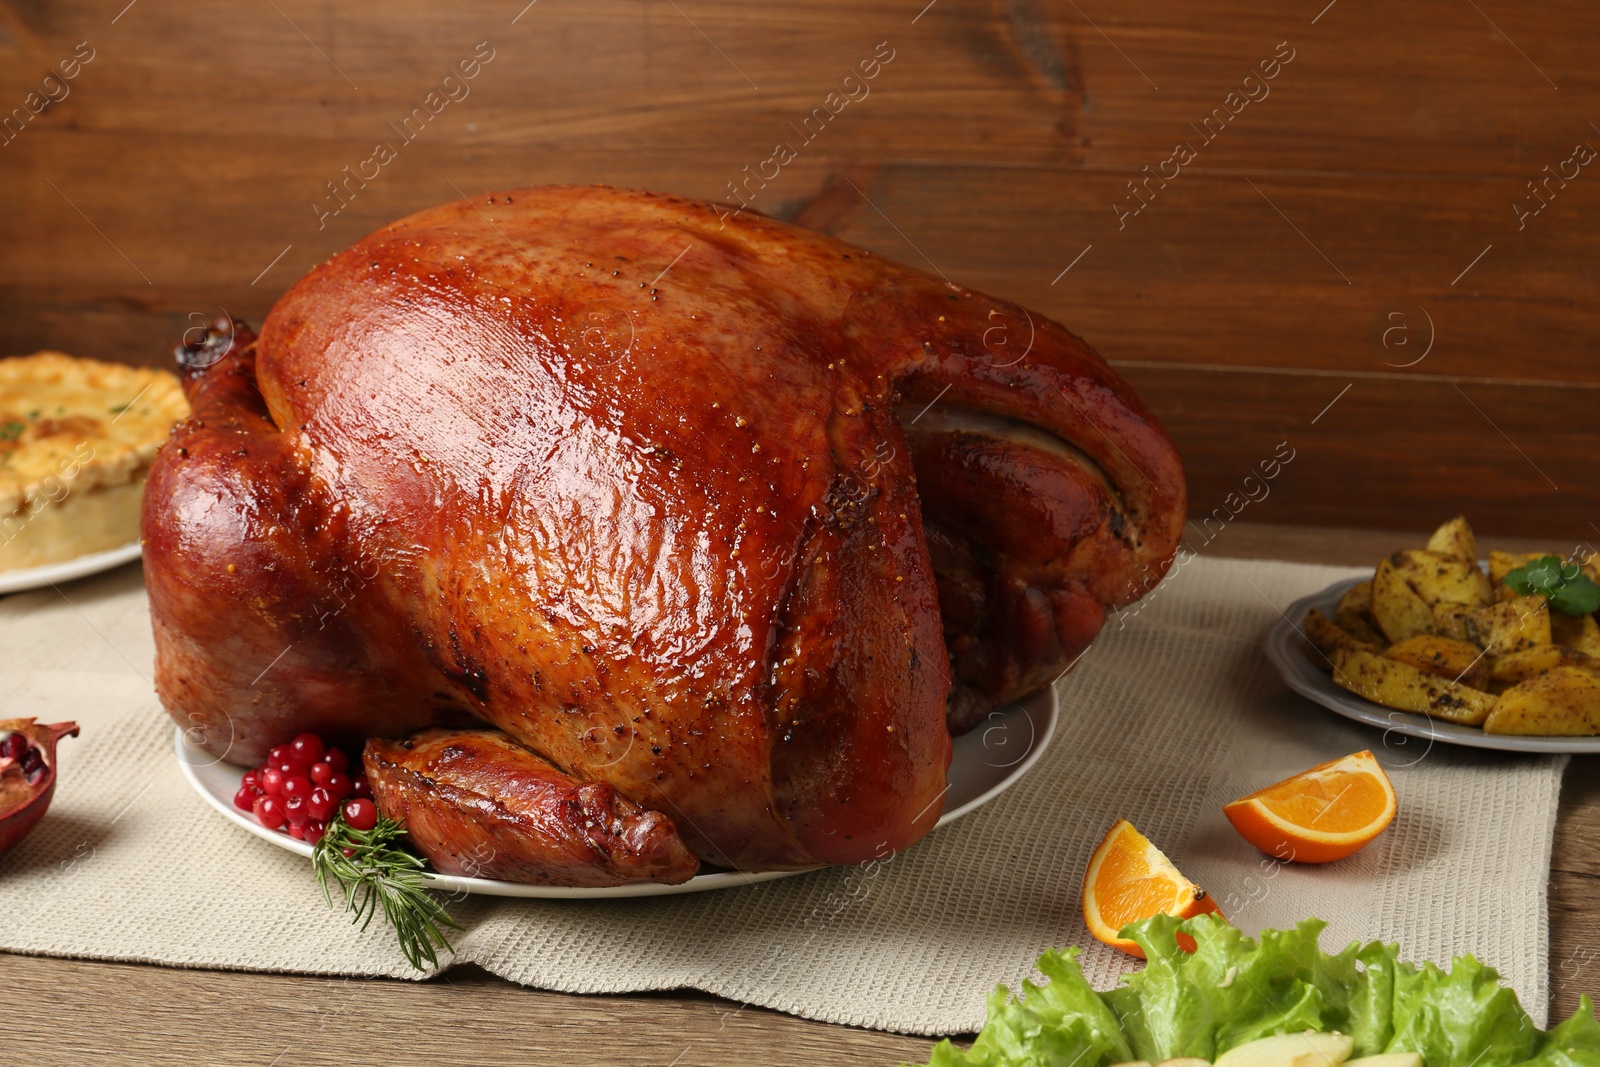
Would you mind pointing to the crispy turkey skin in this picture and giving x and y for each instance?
(737, 518)
(476, 803)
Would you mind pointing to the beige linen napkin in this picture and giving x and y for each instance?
(1171, 714)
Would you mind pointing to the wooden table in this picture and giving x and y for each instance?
(112, 1013)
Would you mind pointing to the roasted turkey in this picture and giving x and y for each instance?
(737, 519)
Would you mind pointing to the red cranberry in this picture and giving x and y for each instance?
(307, 748)
(269, 810)
(272, 782)
(278, 755)
(320, 772)
(339, 785)
(296, 809)
(360, 788)
(297, 786)
(297, 830)
(337, 759)
(252, 778)
(360, 814)
(314, 832)
(245, 798)
(321, 804)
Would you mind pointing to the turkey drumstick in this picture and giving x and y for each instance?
(476, 803)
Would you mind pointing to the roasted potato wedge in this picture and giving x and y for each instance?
(1441, 579)
(1580, 632)
(1450, 621)
(1398, 610)
(1326, 636)
(1400, 685)
(1444, 657)
(1502, 564)
(1532, 662)
(1563, 701)
(1354, 614)
(1455, 538)
(1500, 629)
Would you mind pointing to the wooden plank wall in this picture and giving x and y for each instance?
(1351, 237)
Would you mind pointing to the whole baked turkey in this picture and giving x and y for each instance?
(735, 518)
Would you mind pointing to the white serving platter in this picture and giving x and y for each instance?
(986, 762)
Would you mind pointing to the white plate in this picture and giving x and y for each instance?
(987, 761)
(81, 567)
(1289, 651)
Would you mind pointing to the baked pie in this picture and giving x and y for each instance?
(76, 440)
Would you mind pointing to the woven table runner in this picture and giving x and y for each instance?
(1172, 713)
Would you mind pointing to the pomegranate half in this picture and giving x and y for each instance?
(27, 774)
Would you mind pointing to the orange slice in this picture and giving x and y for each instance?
(1319, 815)
(1129, 879)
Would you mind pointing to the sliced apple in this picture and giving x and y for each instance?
(1387, 1059)
(1308, 1049)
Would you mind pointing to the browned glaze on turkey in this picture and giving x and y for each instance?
(735, 517)
(478, 804)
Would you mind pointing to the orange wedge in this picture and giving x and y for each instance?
(1129, 879)
(1319, 815)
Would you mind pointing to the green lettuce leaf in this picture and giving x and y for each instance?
(1459, 1017)
(1062, 1024)
(1574, 1043)
(1232, 990)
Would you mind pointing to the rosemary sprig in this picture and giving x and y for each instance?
(376, 874)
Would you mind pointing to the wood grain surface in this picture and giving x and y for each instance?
(71, 1012)
(1365, 217)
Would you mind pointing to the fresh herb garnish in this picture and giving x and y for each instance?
(1563, 584)
(12, 430)
(378, 874)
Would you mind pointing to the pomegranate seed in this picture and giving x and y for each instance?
(314, 832)
(296, 810)
(336, 757)
(32, 760)
(307, 748)
(272, 782)
(339, 785)
(361, 814)
(321, 804)
(278, 754)
(13, 747)
(269, 810)
(298, 786)
(245, 798)
(360, 788)
(297, 830)
(321, 771)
